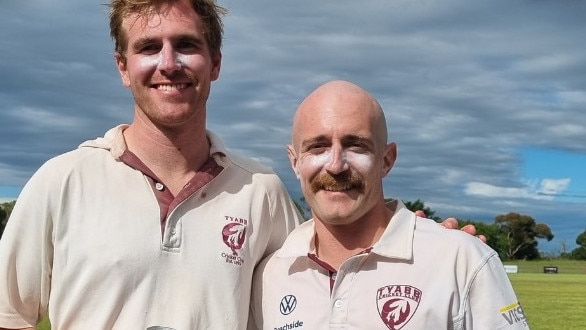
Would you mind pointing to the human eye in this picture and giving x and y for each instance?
(187, 46)
(149, 50)
(314, 148)
(358, 145)
(146, 47)
(317, 148)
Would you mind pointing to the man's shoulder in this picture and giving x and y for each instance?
(248, 164)
(432, 234)
(233, 159)
(73, 158)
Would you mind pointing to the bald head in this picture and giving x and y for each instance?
(340, 98)
(340, 153)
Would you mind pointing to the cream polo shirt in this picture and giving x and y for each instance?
(84, 243)
(417, 276)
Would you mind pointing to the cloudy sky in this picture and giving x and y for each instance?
(486, 99)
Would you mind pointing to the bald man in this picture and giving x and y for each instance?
(361, 263)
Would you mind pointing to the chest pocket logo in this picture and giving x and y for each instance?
(234, 235)
(397, 304)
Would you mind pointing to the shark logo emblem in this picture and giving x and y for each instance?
(234, 235)
(397, 304)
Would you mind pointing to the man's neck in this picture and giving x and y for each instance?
(173, 155)
(337, 243)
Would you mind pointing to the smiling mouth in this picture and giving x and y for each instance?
(171, 87)
(338, 188)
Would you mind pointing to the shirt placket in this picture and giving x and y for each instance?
(344, 281)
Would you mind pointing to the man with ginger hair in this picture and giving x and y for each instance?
(156, 225)
(361, 263)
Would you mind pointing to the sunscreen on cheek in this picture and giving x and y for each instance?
(149, 62)
(361, 162)
(310, 163)
(313, 162)
(184, 60)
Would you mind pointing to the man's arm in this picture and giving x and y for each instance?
(492, 302)
(26, 255)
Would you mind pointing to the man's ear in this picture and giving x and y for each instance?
(293, 159)
(389, 158)
(122, 69)
(216, 65)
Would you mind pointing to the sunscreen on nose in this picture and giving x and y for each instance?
(151, 62)
(359, 161)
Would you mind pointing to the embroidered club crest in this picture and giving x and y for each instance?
(397, 304)
(234, 235)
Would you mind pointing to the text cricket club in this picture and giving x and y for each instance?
(405, 291)
(234, 236)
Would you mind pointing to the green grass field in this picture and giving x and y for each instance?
(550, 301)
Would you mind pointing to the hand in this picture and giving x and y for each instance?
(452, 223)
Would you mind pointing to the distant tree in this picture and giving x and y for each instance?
(303, 208)
(5, 211)
(580, 252)
(420, 205)
(496, 238)
(3, 220)
(521, 235)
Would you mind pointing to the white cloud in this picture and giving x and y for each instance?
(554, 187)
(488, 190)
(545, 189)
(43, 119)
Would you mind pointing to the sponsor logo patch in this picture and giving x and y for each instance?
(397, 304)
(513, 313)
(288, 304)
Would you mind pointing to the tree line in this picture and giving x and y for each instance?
(513, 236)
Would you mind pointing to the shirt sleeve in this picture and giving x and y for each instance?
(255, 319)
(492, 302)
(285, 218)
(26, 255)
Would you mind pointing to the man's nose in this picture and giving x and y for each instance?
(169, 60)
(338, 162)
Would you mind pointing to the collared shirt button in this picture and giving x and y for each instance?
(159, 186)
(338, 303)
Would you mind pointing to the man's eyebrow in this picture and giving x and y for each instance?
(141, 42)
(315, 139)
(198, 40)
(144, 41)
(357, 138)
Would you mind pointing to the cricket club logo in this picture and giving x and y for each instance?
(397, 304)
(234, 235)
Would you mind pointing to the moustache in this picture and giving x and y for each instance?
(337, 182)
